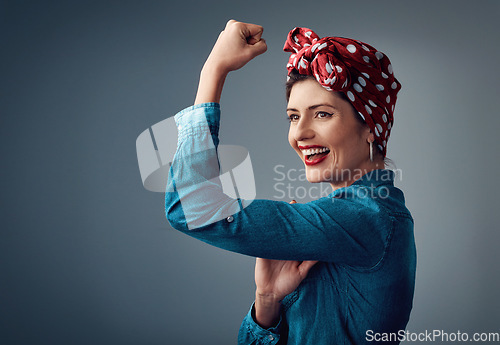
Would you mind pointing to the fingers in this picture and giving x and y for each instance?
(254, 30)
(253, 40)
(236, 45)
(305, 266)
(230, 22)
(251, 32)
(259, 47)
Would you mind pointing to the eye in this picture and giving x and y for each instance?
(292, 117)
(323, 114)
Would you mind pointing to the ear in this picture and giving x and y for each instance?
(370, 137)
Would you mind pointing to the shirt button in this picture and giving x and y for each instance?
(270, 337)
(229, 219)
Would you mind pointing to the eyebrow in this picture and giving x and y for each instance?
(314, 107)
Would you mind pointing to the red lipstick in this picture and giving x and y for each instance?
(314, 160)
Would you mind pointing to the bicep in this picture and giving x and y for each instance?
(334, 230)
(347, 230)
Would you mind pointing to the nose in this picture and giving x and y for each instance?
(303, 130)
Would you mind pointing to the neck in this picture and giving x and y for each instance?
(348, 177)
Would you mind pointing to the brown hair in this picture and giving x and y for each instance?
(295, 77)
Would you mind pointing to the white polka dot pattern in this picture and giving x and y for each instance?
(350, 95)
(349, 66)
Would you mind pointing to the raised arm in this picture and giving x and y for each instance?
(195, 203)
(236, 45)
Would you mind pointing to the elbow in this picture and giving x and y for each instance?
(174, 212)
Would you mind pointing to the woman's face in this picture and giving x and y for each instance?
(326, 135)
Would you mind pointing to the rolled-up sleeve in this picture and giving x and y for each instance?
(251, 333)
(327, 229)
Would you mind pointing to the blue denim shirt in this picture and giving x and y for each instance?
(361, 234)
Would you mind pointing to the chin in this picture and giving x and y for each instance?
(313, 180)
(314, 176)
(319, 173)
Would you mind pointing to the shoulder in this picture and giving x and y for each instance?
(376, 191)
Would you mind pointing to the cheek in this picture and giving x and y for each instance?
(291, 139)
(348, 144)
(339, 135)
(333, 135)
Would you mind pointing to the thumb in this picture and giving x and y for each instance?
(258, 48)
(305, 266)
(252, 32)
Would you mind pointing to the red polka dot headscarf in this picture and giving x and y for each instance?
(355, 68)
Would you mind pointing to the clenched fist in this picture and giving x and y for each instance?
(236, 45)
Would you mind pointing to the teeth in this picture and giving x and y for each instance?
(308, 152)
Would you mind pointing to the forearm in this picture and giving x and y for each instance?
(211, 82)
(267, 310)
(236, 45)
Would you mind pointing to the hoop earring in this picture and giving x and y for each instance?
(371, 151)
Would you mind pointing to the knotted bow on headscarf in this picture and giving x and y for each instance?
(355, 68)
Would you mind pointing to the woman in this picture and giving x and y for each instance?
(356, 246)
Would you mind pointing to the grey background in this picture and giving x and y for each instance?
(86, 255)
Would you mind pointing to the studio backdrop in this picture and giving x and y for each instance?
(86, 253)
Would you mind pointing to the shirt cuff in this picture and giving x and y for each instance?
(194, 120)
(266, 336)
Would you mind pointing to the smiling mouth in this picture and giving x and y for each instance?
(315, 156)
